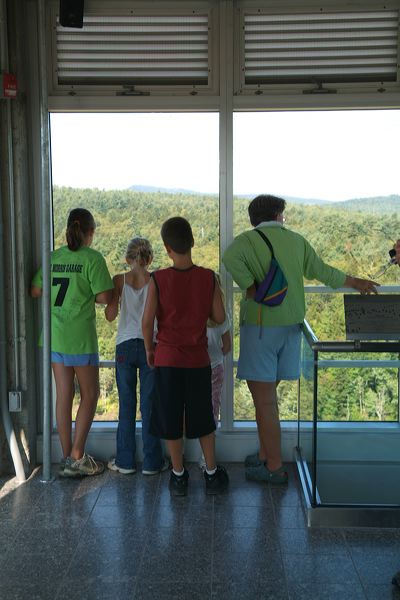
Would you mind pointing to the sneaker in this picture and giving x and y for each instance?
(252, 460)
(262, 473)
(112, 465)
(164, 467)
(178, 485)
(61, 467)
(217, 483)
(82, 467)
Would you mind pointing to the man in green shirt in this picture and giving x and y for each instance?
(270, 336)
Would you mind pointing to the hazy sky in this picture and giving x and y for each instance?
(328, 155)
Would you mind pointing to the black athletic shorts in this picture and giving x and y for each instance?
(182, 394)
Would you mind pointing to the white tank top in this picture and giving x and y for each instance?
(131, 312)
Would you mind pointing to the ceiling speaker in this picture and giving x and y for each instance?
(71, 13)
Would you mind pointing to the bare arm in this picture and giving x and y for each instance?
(217, 309)
(104, 297)
(36, 292)
(397, 248)
(111, 310)
(226, 342)
(251, 291)
(364, 286)
(149, 315)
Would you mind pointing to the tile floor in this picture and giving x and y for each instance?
(124, 537)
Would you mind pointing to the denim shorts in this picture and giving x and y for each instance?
(76, 360)
(269, 353)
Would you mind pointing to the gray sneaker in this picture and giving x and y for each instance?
(82, 467)
(262, 473)
(163, 467)
(252, 460)
(61, 467)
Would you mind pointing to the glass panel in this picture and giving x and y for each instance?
(356, 467)
(305, 409)
(338, 172)
(107, 406)
(143, 169)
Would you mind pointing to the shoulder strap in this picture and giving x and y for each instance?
(266, 240)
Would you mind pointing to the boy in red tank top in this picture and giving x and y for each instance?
(182, 298)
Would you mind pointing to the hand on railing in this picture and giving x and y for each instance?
(364, 286)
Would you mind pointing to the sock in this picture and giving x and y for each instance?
(177, 473)
(211, 471)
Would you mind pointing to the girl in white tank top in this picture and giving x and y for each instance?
(129, 298)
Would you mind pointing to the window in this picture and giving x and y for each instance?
(133, 171)
(338, 172)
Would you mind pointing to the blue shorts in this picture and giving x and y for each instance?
(274, 356)
(76, 360)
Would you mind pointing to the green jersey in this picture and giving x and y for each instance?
(76, 278)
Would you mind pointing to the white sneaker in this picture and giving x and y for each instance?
(114, 467)
(163, 468)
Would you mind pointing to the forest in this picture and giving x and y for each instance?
(354, 236)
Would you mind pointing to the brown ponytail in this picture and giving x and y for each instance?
(80, 223)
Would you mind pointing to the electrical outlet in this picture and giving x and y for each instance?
(14, 401)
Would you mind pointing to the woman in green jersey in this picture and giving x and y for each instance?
(79, 279)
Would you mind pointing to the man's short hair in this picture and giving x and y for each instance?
(177, 234)
(265, 208)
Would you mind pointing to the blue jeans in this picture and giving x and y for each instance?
(129, 357)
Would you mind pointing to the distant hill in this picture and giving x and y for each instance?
(374, 205)
(154, 189)
(163, 190)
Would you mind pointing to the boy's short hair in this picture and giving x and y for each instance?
(177, 234)
(265, 208)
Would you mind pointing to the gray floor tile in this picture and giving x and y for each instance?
(245, 494)
(249, 590)
(178, 539)
(230, 516)
(103, 587)
(131, 495)
(311, 541)
(326, 591)
(376, 567)
(121, 516)
(373, 540)
(46, 541)
(114, 561)
(319, 568)
(183, 514)
(54, 519)
(170, 590)
(33, 590)
(253, 566)
(290, 517)
(285, 496)
(245, 539)
(385, 591)
(179, 566)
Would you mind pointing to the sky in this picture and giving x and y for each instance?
(329, 155)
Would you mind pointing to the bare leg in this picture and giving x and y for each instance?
(207, 443)
(175, 449)
(88, 378)
(263, 453)
(64, 377)
(268, 425)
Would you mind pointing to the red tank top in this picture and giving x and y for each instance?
(184, 305)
